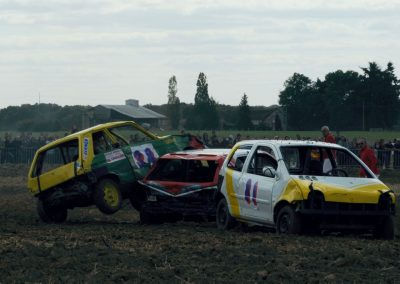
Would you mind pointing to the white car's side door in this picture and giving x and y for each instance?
(257, 183)
(233, 176)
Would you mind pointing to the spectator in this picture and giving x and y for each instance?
(205, 138)
(367, 155)
(329, 138)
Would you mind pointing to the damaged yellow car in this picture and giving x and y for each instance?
(302, 186)
(99, 165)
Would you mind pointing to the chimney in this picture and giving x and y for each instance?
(132, 102)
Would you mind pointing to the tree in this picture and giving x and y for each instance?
(173, 106)
(205, 114)
(301, 102)
(243, 117)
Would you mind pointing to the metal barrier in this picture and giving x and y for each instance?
(389, 159)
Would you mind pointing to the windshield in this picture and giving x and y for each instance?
(128, 134)
(321, 161)
(180, 170)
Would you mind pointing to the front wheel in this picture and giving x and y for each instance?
(289, 221)
(224, 219)
(107, 196)
(51, 214)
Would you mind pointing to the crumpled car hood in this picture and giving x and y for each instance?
(176, 189)
(348, 190)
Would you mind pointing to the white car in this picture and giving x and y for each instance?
(298, 186)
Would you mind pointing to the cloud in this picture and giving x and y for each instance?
(92, 48)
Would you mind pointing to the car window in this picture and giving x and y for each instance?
(169, 170)
(261, 158)
(321, 161)
(56, 157)
(237, 160)
(128, 134)
(101, 143)
(201, 171)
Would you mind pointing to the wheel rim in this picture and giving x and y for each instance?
(111, 196)
(222, 214)
(284, 223)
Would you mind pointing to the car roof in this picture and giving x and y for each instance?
(89, 130)
(291, 143)
(198, 154)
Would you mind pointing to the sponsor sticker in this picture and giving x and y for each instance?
(144, 155)
(85, 148)
(114, 156)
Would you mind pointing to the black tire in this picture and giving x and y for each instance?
(51, 214)
(137, 198)
(288, 222)
(107, 196)
(147, 218)
(385, 230)
(224, 219)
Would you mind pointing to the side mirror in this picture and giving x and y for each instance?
(269, 172)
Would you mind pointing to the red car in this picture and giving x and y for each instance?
(182, 184)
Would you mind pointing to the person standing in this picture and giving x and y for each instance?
(328, 138)
(367, 155)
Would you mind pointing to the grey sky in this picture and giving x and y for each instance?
(99, 51)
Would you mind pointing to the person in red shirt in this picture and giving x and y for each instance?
(367, 155)
(329, 138)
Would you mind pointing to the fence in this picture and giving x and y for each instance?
(389, 159)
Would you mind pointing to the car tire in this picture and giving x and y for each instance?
(385, 230)
(288, 222)
(51, 215)
(224, 219)
(107, 196)
(137, 198)
(147, 218)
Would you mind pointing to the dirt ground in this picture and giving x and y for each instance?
(92, 247)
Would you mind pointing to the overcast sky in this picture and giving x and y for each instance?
(105, 51)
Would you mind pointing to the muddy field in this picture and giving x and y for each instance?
(92, 247)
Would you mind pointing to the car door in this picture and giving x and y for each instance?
(232, 178)
(258, 185)
(57, 165)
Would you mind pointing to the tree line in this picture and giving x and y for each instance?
(344, 100)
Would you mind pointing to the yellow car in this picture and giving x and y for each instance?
(99, 165)
(302, 186)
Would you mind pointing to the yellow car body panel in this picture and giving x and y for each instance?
(298, 190)
(83, 164)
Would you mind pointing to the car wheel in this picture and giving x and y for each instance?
(385, 230)
(289, 222)
(107, 196)
(224, 219)
(51, 215)
(137, 198)
(147, 218)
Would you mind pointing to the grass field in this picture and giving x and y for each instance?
(94, 248)
(371, 136)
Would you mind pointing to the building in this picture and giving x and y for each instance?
(131, 110)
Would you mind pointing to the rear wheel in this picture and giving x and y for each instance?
(289, 222)
(224, 219)
(51, 214)
(107, 196)
(385, 230)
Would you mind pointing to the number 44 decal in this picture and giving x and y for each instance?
(250, 193)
